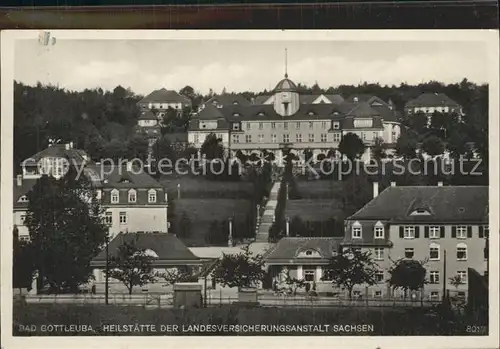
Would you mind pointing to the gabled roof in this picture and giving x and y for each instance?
(228, 99)
(167, 246)
(432, 100)
(287, 248)
(75, 156)
(261, 99)
(362, 110)
(165, 96)
(335, 98)
(376, 100)
(209, 112)
(23, 189)
(447, 203)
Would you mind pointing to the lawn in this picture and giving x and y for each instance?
(319, 189)
(384, 321)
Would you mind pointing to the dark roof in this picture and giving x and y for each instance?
(167, 246)
(210, 112)
(386, 113)
(285, 85)
(75, 156)
(287, 248)
(362, 110)
(447, 204)
(165, 96)
(228, 99)
(432, 100)
(120, 177)
(307, 99)
(334, 98)
(147, 115)
(26, 186)
(261, 99)
(362, 97)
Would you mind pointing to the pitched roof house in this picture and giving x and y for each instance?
(163, 98)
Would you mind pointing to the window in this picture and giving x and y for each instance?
(461, 232)
(434, 296)
(486, 230)
(336, 137)
(123, 217)
(152, 196)
(236, 126)
(311, 124)
(132, 196)
(336, 125)
(249, 126)
(434, 252)
(248, 138)
(434, 277)
(114, 196)
(196, 138)
(309, 274)
(311, 138)
(297, 125)
(323, 124)
(363, 136)
(356, 293)
(236, 138)
(273, 138)
(379, 254)
(108, 218)
(374, 136)
(434, 232)
(356, 231)
(220, 136)
(377, 294)
(462, 252)
(309, 253)
(409, 232)
(23, 218)
(23, 198)
(261, 125)
(286, 138)
(298, 138)
(24, 238)
(323, 137)
(409, 252)
(273, 125)
(379, 276)
(462, 274)
(261, 138)
(379, 231)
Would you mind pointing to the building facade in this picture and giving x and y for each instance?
(288, 120)
(429, 103)
(132, 199)
(444, 226)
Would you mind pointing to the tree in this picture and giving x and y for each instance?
(175, 275)
(23, 263)
(185, 226)
(433, 146)
(163, 149)
(294, 284)
(168, 121)
(439, 120)
(407, 275)
(212, 147)
(456, 281)
(406, 146)
(297, 227)
(356, 192)
(217, 235)
(352, 146)
(240, 270)
(188, 92)
(138, 148)
(378, 149)
(418, 122)
(350, 268)
(64, 219)
(132, 265)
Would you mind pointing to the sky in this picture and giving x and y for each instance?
(239, 66)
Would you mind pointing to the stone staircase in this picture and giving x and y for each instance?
(267, 219)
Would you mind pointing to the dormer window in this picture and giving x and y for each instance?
(23, 198)
(420, 212)
(261, 114)
(236, 114)
(336, 125)
(311, 113)
(379, 230)
(115, 196)
(309, 253)
(132, 196)
(152, 196)
(236, 126)
(356, 230)
(235, 103)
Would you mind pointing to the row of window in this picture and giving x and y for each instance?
(435, 252)
(324, 125)
(108, 218)
(431, 232)
(434, 276)
(286, 138)
(132, 196)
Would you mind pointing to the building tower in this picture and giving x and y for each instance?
(286, 96)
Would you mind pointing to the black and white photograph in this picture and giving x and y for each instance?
(242, 184)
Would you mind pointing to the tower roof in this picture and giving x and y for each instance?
(285, 85)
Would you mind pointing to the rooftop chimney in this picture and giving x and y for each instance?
(393, 184)
(440, 184)
(19, 180)
(375, 189)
